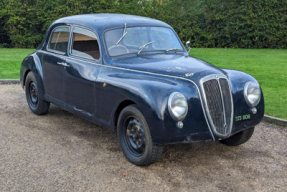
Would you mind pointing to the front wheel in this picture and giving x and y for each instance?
(135, 138)
(239, 138)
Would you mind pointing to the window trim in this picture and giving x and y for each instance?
(71, 43)
(55, 51)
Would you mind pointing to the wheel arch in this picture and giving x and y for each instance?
(118, 110)
(32, 64)
(25, 76)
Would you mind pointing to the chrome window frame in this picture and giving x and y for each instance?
(217, 77)
(71, 43)
(55, 51)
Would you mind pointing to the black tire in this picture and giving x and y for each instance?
(135, 138)
(239, 138)
(37, 105)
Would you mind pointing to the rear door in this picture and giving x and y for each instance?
(80, 77)
(53, 63)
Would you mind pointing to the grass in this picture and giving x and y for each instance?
(268, 66)
(10, 62)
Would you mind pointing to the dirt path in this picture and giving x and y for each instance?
(60, 151)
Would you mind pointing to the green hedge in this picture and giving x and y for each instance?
(206, 23)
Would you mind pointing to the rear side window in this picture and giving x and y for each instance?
(85, 44)
(59, 39)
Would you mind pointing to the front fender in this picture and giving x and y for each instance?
(237, 81)
(150, 92)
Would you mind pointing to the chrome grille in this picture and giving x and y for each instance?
(228, 106)
(219, 106)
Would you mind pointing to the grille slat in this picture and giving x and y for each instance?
(219, 104)
(227, 101)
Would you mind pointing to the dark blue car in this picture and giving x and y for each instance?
(132, 74)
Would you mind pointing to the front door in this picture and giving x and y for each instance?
(80, 76)
(53, 63)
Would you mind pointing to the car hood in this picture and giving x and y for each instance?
(169, 64)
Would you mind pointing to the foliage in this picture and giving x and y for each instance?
(206, 23)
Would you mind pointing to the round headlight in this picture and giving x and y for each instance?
(252, 93)
(177, 106)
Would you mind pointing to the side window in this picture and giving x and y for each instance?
(85, 44)
(59, 39)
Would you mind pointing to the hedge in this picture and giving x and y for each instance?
(206, 23)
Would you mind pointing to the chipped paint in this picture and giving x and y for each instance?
(179, 68)
(189, 74)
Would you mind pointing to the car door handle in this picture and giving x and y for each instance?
(63, 64)
(66, 65)
(78, 109)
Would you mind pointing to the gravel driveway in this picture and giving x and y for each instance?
(62, 152)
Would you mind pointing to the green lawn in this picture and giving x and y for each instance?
(10, 61)
(268, 66)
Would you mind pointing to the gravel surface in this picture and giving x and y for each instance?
(62, 152)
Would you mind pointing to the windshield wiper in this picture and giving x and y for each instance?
(124, 34)
(141, 48)
(173, 49)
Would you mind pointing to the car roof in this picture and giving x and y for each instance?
(104, 21)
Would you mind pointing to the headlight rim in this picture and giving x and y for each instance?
(170, 109)
(247, 84)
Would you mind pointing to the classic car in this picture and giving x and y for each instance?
(132, 74)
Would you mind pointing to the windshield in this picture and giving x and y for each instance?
(141, 39)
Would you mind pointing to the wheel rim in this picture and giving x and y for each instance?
(33, 93)
(134, 136)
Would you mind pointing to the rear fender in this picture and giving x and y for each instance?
(32, 63)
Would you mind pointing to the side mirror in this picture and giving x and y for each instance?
(188, 46)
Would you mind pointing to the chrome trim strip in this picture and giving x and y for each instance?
(199, 91)
(232, 110)
(217, 77)
(223, 105)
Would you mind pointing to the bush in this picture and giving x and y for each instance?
(206, 23)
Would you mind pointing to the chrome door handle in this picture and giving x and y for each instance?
(66, 65)
(78, 109)
(60, 63)
(63, 64)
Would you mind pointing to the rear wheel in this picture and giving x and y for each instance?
(135, 138)
(239, 138)
(37, 105)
